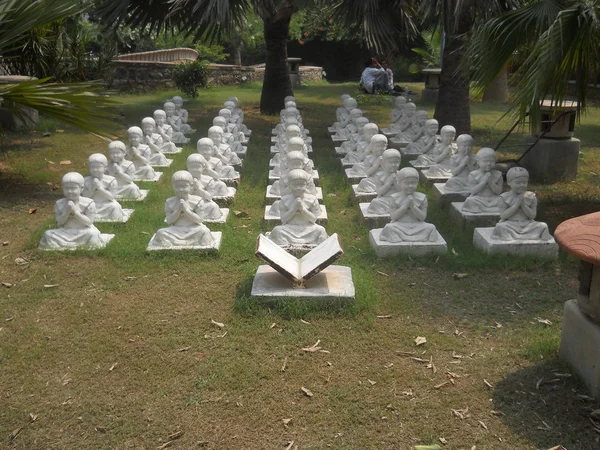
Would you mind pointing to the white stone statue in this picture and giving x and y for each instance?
(102, 189)
(442, 151)
(362, 144)
(166, 132)
(206, 148)
(342, 109)
(175, 122)
(75, 218)
(184, 216)
(397, 114)
(289, 98)
(183, 115)
(237, 113)
(205, 178)
(390, 163)
(281, 146)
(408, 213)
(124, 172)
(372, 159)
(486, 185)
(295, 144)
(285, 114)
(457, 167)
(139, 155)
(222, 150)
(351, 127)
(295, 160)
(518, 211)
(155, 142)
(427, 142)
(417, 129)
(235, 140)
(344, 118)
(298, 211)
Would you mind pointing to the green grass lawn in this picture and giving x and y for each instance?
(116, 349)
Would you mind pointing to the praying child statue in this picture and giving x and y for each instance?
(183, 214)
(461, 166)
(206, 148)
(166, 132)
(205, 178)
(102, 189)
(155, 142)
(175, 122)
(183, 114)
(428, 140)
(299, 211)
(485, 184)
(124, 172)
(75, 219)
(408, 213)
(139, 155)
(442, 151)
(519, 208)
(390, 163)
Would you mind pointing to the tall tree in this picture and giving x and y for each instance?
(554, 41)
(214, 17)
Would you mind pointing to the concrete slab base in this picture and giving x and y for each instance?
(398, 143)
(389, 249)
(471, 220)
(179, 150)
(418, 166)
(157, 176)
(580, 346)
(341, 152)
(168, 164)
(373, 220)
(106, 238)
(346, 165)
(353, 178)
(144, 193)
(446, 198)
(243, 153)
(482, 239)
(232, 182)
(338, 139)
(362, 197)
(222, 219)
(273, 178)
(271, 198)
(275, 151)
(276, 220)
(228, 199)
(217, 236)
(126, 215)
(333, 283)
(429, 180)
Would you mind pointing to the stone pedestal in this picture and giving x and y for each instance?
(352, 178)
(226, 199)
(242, 154)
(427, 180)
(446, 198)
(341, 152)
(373, 220)
(418, 165)
(106, 238)
(273, 178)
(552, 160)
(389, 249)
(273, 220)
(346, 165)
(338, 139)
(217, 236)
(432, 85)
(482, 239)
(144, 193)
(294, 70)
(274, 150)
(157, 176)
(362, 197)
(168, 164)
(332, 283)
(271, 198)
(398, 143)
(222, 219)
(126, 215)
(580, 346)
(472, 220)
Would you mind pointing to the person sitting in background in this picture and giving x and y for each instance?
(374, 78)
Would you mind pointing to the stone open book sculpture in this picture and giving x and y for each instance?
(298, 271)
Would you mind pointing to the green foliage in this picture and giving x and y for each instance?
(213, 53)
(430, 55)
(190, 76)
(318, 22)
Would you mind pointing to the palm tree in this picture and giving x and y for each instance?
(559, 40)
(211, 18)
(75, 104)
(390, 23)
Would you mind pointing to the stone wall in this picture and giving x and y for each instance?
(307, 73)
(223, 74)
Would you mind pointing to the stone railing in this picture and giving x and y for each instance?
(172, 55)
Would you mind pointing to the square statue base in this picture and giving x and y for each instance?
(362, 197)
(446, 198)
(482, 239)
(398, 144)
(429, 180)
(232, 182)
(222, 219)
(346, 165)
(275, 150)
(273, 178)
(341, 152)
(228, 199)
(242, 153)
(388, 133)
(168, 164)
(385, 249)
(276, 220)
(157, 176)
(338, 139)
(373, 220)
(465, 219)
(580, 346)
(271, 198)
(217, 236)
(144, 193)
(106, 238)
(179, 150)
(126, 215)
(332, 283)
(353, 178)
(418, 166)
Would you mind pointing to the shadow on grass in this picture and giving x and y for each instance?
(547, 412)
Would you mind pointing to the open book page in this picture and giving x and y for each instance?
(320, 257)
(282, 261)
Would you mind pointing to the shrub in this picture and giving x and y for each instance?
(190, 76)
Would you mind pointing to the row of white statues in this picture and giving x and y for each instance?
(96, 197)
(393, 191)
(293, 188)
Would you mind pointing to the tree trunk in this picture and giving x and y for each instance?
(237, 54)
(497, 91)
(452, 107)
(276, 84)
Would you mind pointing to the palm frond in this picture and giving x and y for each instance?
(77, 104)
